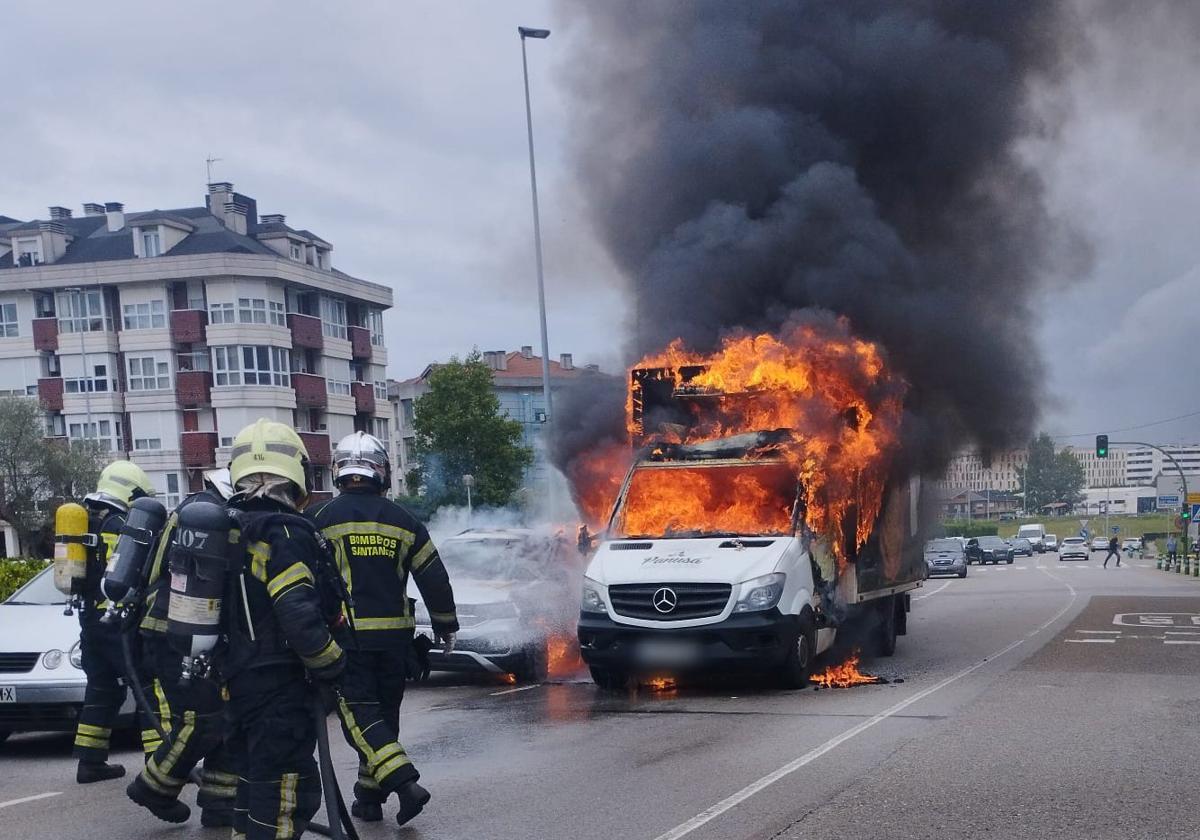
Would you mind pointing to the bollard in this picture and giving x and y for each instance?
(1179, 564)
(1158, 563)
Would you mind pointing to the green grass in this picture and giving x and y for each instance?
(1068, 526)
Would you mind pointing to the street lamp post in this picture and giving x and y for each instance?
(468, 482)
(540, 34)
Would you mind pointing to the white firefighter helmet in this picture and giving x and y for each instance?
(361, 456)
(219, 481)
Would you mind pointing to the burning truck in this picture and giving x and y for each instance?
(763, 512)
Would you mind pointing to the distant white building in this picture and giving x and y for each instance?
(1101, 472)
(1144, 465)
(967, 472)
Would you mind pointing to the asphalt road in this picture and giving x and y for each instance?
(1041, 699)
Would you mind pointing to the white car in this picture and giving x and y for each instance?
(1051, 542)
(1099, 543)
(1073, 548)
(41, 676)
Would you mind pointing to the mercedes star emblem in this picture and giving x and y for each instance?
(665, 600)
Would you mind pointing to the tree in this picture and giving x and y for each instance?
(1051, 476)
(460, 431)
(36, 474)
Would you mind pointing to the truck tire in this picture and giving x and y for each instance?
(609, 680)
(797, 668)
(886, 638)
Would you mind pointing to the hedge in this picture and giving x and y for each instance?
(15, 572)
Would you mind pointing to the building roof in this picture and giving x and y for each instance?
(517, 366)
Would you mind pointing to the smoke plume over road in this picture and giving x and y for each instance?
(748, 162)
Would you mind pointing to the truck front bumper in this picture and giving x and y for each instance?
(750, 641)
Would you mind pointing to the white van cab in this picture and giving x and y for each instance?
(1036, 534)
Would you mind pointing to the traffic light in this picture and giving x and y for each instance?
(1101, 446)
(1185, 513)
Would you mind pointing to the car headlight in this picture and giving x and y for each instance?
(593, 597)
(51, 659)
(761, 593)
(75, 655)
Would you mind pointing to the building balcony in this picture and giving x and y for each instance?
(45, 334)
(198, 449)
(364, 397)
(360, 343)
(310, 390)
(319, 496)
(318, 446)
(306, 331)
(50, 393)
(188, 326)
(193, 388)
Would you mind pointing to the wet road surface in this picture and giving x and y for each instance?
(1041, 699)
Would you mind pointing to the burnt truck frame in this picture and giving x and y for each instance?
(729, 624)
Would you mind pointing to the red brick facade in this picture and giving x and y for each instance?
(360, 342)
(306, 331)
(50, 393)
(364, 397)
(45, 334)
(199, 449)
(310, 390)
(193, 388)
(188, 326)
(318, 446)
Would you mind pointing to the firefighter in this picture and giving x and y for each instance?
(279, 637)
(377, 545)
(100, 641)
(196, 727)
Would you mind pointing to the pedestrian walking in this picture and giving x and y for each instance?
(1114, 550)
(1172, 548)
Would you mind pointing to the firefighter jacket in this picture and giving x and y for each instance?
(280, 565)
(106, 524)
(158, 579)
(377, 545)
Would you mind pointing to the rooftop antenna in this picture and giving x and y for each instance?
(210, 160)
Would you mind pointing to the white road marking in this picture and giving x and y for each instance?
(1093, 641)
(1101, 632)
(934, 592)
(1181, 641)
(710, 814)
(33, 798)
(1182, 632)
(514, 690)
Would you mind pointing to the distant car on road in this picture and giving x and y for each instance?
(1099, 543)
(1051, 542)
(1022, 547)
(1008, 517)
(41, 669)
(1073, 548)
(1036, 534)
(1131, 544)
(989, 550)
(946, 557)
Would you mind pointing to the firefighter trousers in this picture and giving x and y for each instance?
(272, 742)
(104, 665)
(372, 690)
(197, 731)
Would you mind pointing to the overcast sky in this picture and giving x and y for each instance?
(397, 132)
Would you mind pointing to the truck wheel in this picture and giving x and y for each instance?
(887, 626)
(609, 680)
(799, 663)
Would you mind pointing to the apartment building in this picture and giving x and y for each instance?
(1101, 472)
(162, 333)
(517, 381)
(1143, 465)
(967, 471)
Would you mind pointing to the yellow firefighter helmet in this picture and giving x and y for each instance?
(267, 446)
(120, 483)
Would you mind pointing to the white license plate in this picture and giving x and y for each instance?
(8, 694)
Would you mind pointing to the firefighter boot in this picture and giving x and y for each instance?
(97, 771)
(413, 798)
(366, 811)
(166, 808)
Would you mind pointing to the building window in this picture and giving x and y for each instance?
(145, 316)
(8, 320)
(252, 310)
(147, 443)
(381, 430)
(296, 251)
(172, 495)
(82, 312)
(146, 374)
(28, 252)
(337, 377)
(278, 317)
(99, 382)
(220, 313)
(375, 325)
(100, 431)
(380, 390)
(151, 244)
(333, 317)
(406, 412)
(252, 365)
(197, 360)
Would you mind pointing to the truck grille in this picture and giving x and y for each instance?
(692, 600)
(17, 663)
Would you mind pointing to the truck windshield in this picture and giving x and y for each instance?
(668, 500)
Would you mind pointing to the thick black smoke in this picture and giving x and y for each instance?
(746, 160)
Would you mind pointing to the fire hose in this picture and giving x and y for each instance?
(139, 692)
(340, 826)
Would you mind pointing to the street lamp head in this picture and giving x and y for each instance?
(526, 32)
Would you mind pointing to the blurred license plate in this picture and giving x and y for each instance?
(667, 653)
(8, 694)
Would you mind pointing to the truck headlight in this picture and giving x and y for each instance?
(761, 593)
(75, 655)
(593, 597)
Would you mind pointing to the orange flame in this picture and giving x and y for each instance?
(662, 684)
(845, 675)
(562, 657)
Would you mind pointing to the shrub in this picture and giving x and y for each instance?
(15, 572)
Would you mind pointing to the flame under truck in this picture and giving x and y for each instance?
(736, 581)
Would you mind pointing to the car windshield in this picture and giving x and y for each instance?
(1021, 543)
(992, 542)
(491, 558)
(739, 499)
(1073, 541)
(1028, 532)
(39, 590)
(944, 545)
